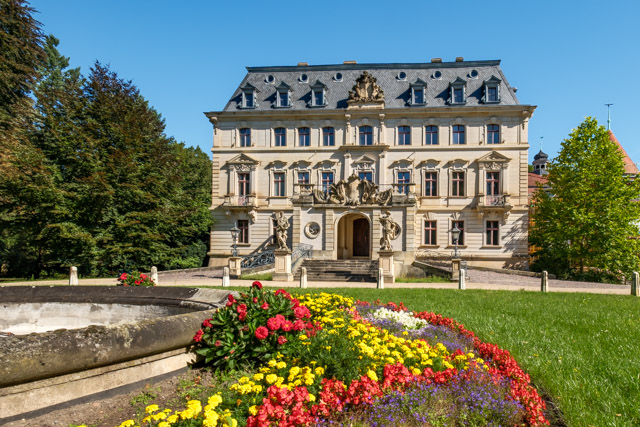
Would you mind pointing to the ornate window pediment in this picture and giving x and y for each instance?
(418, 92)
(242, 162)
(364, 162)
(401, 164)
(457, 88)
(283, 95)
(458, 164)
(318, 94)
(493, 161)
(429, 164)
(277, 164)
(491, 91)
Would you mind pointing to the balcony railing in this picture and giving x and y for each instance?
(496, 201)
(241, 201)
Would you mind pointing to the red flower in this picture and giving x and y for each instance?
(283, 292)
(218, 343)
(198, 336)
(298, 325)
(137, 282)
(143, 276)
(231, 300)
(123, 276)
(287, 326)
(255, 300)
(281, 339)
(301, 312)
(262, 332)
(242, 316)
(264, 306)
(207, 323)
(274, 323)
(257, 284)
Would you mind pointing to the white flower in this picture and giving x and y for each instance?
(405, 318)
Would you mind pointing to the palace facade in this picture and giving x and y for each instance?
(335, 147)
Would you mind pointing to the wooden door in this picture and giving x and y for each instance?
(361, 237)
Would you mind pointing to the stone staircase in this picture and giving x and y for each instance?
(342, 270)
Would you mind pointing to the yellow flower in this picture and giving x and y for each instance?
(372, 375)
(319, 370)
(258, 377)
(173, 418)
(243, 380)
(214, 400)
(271, 378)
(164, 424)
(281, 365)
(127, 423)
(253, 410)
(151, 409)
(146, 419)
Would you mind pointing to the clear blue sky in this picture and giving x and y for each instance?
(567, 57)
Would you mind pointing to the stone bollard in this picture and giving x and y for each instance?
(461, 278)
(635, 284)
(154, 275)
(303, 277)
(73, 276)
(225, 277)
(544, 282)
(380, 278)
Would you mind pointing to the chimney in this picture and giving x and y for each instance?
(459, 59)
(350, 62)
(303, 64)
(436, 59)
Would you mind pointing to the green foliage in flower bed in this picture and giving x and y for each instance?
(581, 349)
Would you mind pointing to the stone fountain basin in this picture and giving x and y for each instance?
(103, 338)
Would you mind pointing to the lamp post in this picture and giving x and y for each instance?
(455, 233)
(235, 231)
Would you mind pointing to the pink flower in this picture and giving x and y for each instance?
(198, 336)
(301, 312)
(281, 340)
(274, 323)
(287, 326)
(261, 332)
(298, 325)
(255, 300)
(218, 343)
(264, 306)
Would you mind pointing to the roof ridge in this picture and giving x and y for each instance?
(382, 66)
(629, 166)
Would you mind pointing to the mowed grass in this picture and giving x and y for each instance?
(583, 350)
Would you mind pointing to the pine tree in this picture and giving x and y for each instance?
(588, 220)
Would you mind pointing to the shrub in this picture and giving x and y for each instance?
(135, 279)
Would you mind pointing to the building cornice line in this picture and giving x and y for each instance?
(373, 66)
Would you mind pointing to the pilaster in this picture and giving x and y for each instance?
(329, 231)
(297, 227)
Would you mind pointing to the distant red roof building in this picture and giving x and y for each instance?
(534, 179)
(629, 166)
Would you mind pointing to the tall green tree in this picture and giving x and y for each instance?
(588, 220)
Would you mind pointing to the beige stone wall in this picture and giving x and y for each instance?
(386, 158)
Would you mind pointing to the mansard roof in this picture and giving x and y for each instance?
(394, 80)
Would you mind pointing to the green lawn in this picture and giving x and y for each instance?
(581, 349)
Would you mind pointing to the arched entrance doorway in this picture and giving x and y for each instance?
(354, 237)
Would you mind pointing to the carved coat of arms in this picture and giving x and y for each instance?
(353, 192)
(366, 90)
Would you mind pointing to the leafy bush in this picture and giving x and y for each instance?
(135, 279)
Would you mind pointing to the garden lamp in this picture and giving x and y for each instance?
(455, 233)
(235, 231)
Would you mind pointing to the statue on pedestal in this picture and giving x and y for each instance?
(390, 231)
(282, 225)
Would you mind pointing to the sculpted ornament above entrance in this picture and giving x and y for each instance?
(353, 192)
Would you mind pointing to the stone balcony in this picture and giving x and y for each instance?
(240, 202)
(499, 203)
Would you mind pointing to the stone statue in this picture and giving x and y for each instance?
(353, 192)
(282, 225)
(390, 231)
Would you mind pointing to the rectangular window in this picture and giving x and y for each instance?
(303, 177)
(492, 233)
(366, 135)
(458, 134)
(460, 226)
(328, 136)
(404, 135)
(418, 96)
(366, 175)
(281, 137)
(243, 225)
(492, 94)
(304, 137)
(278, 184)
(404, 179)
(493, 183)
(327, 180)
(244, 184)
(283, 98)
(430, 232)
(457, 184)
(458, 95)
(318, 98)
(245, 137)
(431, 184)
(493, 134)
(248, 100)
(431, 135)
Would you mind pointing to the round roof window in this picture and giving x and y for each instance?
(270, 79)
(474, 74)
(437, 75)
(304, 78)
(338, 77)
(402, 75)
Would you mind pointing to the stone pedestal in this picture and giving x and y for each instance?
(225, 277)
(461, 283)
(635, 284)
(303, 277)
(380, 279)
(283, 265)
(154, 275)
(544, 282)
(385, 262)
(73, 276)
(235, 270)
(455, 269)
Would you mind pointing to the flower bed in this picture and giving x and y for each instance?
(321, 359)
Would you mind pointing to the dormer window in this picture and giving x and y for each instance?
(248, 96)
(318, 94)
(491, 90)
(458, 91)
(283, 95)
(417, 92)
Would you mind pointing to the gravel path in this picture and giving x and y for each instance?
(478, 276)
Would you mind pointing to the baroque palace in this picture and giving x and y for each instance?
(341, 148)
